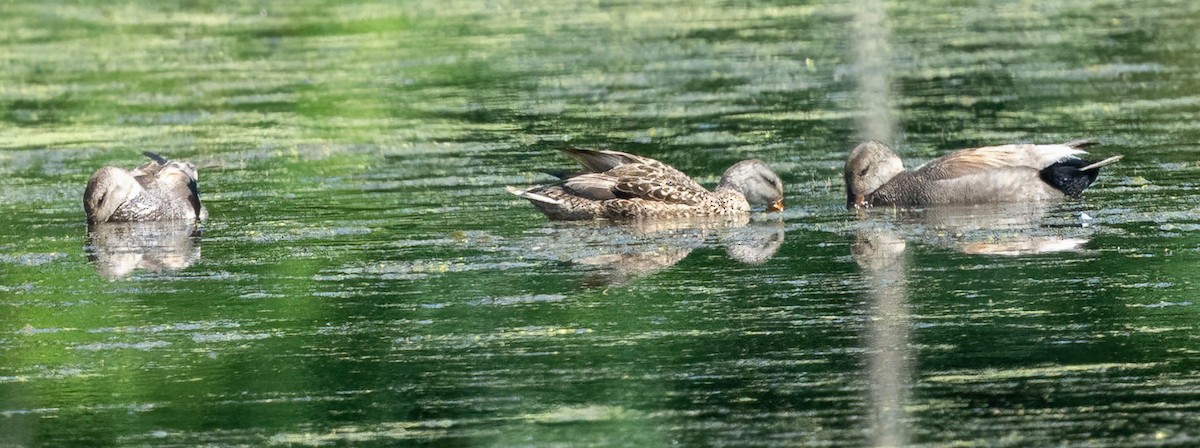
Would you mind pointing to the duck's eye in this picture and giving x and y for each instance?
(864, 171)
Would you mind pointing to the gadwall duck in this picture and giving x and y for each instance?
(622, 186)
(157, 191)
(1010, 173)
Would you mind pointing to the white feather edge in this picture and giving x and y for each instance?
(532, 196)
(1105, 162)
(1046, 155)
(1025, 155)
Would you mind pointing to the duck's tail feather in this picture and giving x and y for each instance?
(155, 157)
(1102, 163)
(533, 196)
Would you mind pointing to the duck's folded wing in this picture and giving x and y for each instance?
(599, 161)
(969, 162)
(594, 186)
(658, 183)
(1006, 184)
(635, 181)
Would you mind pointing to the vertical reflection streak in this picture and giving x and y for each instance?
(872, 59)
(881, 256)
(881, 253)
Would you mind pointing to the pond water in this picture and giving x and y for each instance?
(365, 279)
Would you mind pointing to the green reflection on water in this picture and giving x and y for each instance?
(366, 279)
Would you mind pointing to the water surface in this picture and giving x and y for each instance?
(365, 279)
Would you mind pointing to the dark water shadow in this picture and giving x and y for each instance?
(616, 254)
(116, 250)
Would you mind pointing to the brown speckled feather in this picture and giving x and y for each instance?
(625, 186)
(656, 182)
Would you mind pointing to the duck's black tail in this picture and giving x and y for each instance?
(1072, 176)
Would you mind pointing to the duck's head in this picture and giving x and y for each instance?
(870, 166)
(755, 180)
(107, 190)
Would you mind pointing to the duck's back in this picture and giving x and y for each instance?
(116, 195)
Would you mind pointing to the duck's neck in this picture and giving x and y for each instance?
(730, 199)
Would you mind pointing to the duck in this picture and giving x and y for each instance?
(160, 190)
(875, 176)
(616, 185)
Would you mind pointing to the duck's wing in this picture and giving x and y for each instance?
(593, 186)
(599, 161)
(146, 174)
(975, 161)
(655, 182)
(618, 175)
(659, 182)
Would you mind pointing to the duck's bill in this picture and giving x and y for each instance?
(776, 206)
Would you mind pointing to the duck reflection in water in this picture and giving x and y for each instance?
(619, 254)
(987, 229)
(117, 249)
(880, 250)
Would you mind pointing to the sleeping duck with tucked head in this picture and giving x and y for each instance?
(875, 176)
(160, 190)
